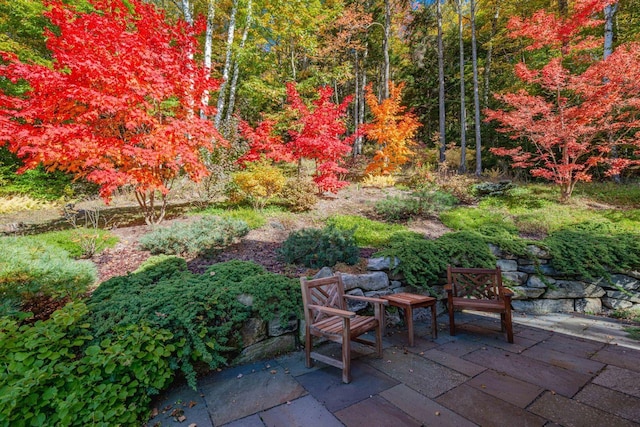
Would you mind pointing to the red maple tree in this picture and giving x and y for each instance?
(116, 108)
(316, 133)
(572, 119)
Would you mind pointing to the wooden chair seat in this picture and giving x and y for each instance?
(479, 289)
(326, 316)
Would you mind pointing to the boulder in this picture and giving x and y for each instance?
(324, 272)
(382, 263)
(588, 305)
(627, 296)
(279, 327)
(515, 277)
(616, 304)
(625, 282)
(253, 331)
(545, 269)
(537, 252)
(523, 292)
(573, 289)
(544, 306)
(353, 305)
(393, 284)
(267, 349)
(369, 282)
(507, 265)
(537, 282)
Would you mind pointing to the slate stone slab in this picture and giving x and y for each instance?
(375, 411)
(180, 402)
(534, 334)
(486, 410)
(620, 379)
(305, 411)
(570, 413)
(250, 421)
(327, 387)
(564, 360)
(612, 401)
(530, 370)
(426, 377)
(455, 363)
(571, 345)
(509, 389)
(235, 398)
(423, 409)
(459, 347)
(619, 356)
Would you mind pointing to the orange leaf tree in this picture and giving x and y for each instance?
(572, 120)
(116, 107)
(392, 128)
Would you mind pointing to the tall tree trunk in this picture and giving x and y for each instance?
(609, 12)
(186, 11)
(188, 17)
(385, 48)
(476, 94)
(563, 7)
(227, 64)
(442, 128)
(357, 144)
(236, 65)
(363, 104)
(463, 108)
(208, 51)
(488, 58)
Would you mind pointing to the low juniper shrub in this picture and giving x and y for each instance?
(315, 248)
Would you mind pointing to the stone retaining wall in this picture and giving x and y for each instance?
(534, 293)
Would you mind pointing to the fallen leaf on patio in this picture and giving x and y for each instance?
(483, 386)
(181, 419)
(193, 425)
(192, 404)
(410, 370)
(437, 413)
(239, 376)
(273, 372)
(154, 412)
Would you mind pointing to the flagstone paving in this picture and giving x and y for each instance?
(563, 369)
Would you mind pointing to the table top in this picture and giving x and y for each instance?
(408, 298)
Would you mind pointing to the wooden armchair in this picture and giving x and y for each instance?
(479, 289)
(326, 315)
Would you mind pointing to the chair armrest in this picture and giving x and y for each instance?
(448, 288)
(508, 293)
(332, 311)
(367, 299)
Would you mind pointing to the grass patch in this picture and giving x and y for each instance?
(634, 332)
(254, 218)
(622, 196)
(78, 242)
(368, 233)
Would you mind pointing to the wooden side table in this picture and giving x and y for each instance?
(408, 302)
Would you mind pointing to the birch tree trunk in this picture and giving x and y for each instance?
(443, 140)
(357, 145)
(362, 100)
(208, 50)
(609, 12)
(463, 109)
(188, 17)
(385, 48)
(236, 65)
(227, 65)
(476, 94)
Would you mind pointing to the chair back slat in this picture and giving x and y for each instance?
(326, 292)
(476, 283)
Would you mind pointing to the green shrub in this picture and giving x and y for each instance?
(424, 262)
(315, 248)
(203, 312)
(54, 375)
(420, 203)
(200, 237)
(299, 195)
(29, 268)
(80, 242)
(368, 233)
(592, 250)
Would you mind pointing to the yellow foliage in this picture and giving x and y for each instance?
(23, 203)
(393, 130)
(259, 183)
(379, 181)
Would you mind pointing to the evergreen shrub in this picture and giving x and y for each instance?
(419, 203)
(30, 269)
(299, 195)
(316, 248)
(201, 237)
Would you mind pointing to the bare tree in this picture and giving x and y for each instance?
(463, 109)
(231, 30)
(441, 106)
(476, 95)
(236, 65)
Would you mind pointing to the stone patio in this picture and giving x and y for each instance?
(562, 370)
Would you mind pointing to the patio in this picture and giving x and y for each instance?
(562, 370)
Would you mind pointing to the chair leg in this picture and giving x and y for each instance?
(346, 357)
(503, 322)
(307, 347)
(509, 326)
(379, 341)
(452, 325)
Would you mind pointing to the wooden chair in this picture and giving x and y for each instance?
(479, 289)
(326, 315)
